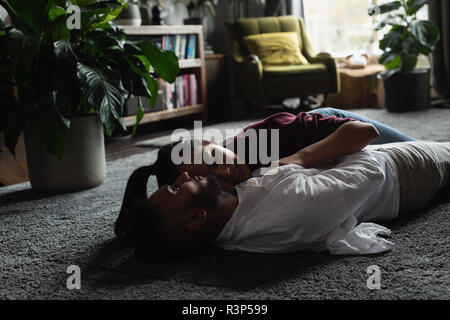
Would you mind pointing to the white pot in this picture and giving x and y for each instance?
(82, 165)
(131, 16)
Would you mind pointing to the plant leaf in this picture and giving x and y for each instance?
(139, 115)
(409, 62)
(415, 5)
(393, 39)
(426, 32)
(102, 89)
(56, 12)
(395, 63)
(164, 62)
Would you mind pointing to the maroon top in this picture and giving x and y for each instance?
(295, 132)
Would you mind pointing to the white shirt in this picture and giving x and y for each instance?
(291, 208)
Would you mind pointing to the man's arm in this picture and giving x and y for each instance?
(348, 138)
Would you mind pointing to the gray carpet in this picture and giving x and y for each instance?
(40, 236)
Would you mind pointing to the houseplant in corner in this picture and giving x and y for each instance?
(64, 81)
(406, 87)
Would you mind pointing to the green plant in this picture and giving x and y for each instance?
(196, 8)
(407, 38)
(50, 73)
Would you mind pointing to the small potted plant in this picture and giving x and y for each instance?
(406, 87)
(198, 9)
(65, 81)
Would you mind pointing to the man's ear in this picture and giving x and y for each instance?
(195, 218)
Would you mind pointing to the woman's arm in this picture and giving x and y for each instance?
(348, 138)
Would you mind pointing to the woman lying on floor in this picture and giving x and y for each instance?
(296, 132)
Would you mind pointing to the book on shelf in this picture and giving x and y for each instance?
(193, 91)
(180, 94)
(183, 45)
(191, 46)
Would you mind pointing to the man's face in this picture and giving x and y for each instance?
(188, 192)
(215, 160)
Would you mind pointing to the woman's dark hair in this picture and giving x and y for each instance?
(165, 170)
(137, 222)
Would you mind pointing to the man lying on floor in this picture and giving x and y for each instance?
(289, 207)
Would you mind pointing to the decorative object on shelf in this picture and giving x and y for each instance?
(52, 77)
(156, 14)
(198, 10)
(357, 61)
(406, 88)
(145, 7)
(130, 15)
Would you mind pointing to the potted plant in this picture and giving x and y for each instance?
(198, 9)
(406, 87)
(64, 81)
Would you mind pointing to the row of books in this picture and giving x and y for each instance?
(183, 45)
(182, 93)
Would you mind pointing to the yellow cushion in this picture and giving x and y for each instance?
(276, 48)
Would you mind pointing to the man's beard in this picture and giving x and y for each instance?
(208, 197)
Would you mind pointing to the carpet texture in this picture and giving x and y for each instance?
(40, 236)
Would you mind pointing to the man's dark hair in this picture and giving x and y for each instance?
(137, 222)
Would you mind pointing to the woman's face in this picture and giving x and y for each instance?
(215, 160)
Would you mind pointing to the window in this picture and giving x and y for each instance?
(342, 27)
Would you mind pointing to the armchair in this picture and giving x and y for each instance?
(253, 80)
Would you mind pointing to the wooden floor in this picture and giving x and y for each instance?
(124, 147)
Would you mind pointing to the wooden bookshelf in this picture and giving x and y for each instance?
(187, 66)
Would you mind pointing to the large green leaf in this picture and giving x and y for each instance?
(164, 62)
(99, 14)
(410, 45)
(426, 32)
(29, 15)
(394, 63)
(139, 115)
(103, 90)
(409, 62)
(384, 8)
(415, 5)
(393, 39)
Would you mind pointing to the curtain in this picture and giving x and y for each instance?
(283, 7)
(439, 11)
(272, 7)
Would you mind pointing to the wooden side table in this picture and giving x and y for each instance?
(360, 88)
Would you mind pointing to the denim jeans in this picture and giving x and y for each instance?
(387, 134)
